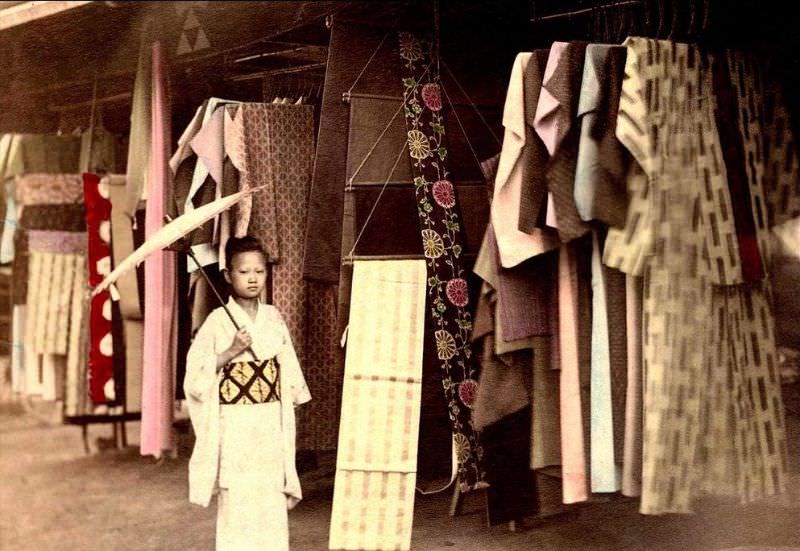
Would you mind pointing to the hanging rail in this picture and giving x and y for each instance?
(117, 98)
(584, 11)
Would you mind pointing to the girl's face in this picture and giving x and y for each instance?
(247, 274)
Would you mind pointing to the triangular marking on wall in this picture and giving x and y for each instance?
(191, 21)
(202, 41)
(183, 45)
(191, 35)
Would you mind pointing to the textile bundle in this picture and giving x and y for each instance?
(50, 274)
(376, 461)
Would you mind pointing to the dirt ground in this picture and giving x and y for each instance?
(53, 496)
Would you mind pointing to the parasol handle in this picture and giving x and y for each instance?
(190, 252)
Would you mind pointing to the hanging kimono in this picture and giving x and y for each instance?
(203, 173)
(521, 147)
(245, 443)
(600, 192)
(703, 429)
(553, 123)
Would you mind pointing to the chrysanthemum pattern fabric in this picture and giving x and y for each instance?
(442, 241)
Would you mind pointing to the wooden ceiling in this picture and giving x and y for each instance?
(55, 61)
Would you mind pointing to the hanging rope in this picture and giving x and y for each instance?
(463, 130)
(375, 204)
(436, 38)
(382, 134)
(472, 103)
(346, 95)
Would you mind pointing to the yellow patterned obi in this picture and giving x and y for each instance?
(250, 382)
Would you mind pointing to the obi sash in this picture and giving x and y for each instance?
(253, 382)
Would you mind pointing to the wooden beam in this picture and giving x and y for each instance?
(26, 12)
(117, 98)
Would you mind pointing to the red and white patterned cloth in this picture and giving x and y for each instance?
(98, 225)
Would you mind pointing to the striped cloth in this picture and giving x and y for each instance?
(376, 464)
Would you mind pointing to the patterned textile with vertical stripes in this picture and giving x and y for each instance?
(713, 417)
(376, 464)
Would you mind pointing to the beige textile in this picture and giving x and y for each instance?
(712, 413)
(76, 383)
(376, 463)
(545, 427)
(128, 287)
(49, 293)
(743, 440)
(632, 445)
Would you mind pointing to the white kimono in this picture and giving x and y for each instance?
(238, 447)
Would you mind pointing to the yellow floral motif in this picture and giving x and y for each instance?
(410, 48)
(432, 244)
(463, 448)
(418, 145)
(445, 345)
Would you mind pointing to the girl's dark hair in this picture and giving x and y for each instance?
(246, 244)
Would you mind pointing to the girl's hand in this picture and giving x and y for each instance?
(241, 342)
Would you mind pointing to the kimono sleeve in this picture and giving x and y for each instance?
(290, 369)
(201, 363)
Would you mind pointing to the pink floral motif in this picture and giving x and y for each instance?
(467, 391)
(443, 194)
(457, 292)
(432, 96)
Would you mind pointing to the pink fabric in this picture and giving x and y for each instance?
(546, 124)
(514, 246)
(573, 453)
(209, 144)
(159, 274)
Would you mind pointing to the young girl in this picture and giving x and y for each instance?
(241, 387)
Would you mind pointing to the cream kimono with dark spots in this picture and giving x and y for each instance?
(713, 416)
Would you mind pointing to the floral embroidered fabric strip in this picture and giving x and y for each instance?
(448, 297)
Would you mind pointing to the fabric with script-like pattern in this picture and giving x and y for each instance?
(448, 295)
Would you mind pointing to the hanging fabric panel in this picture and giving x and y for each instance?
(101, 352)
(140, 144)
(443, 246)
(159, 312)
(351, 45)
(279, 149)
(373, 497)
(129, 303)
(703, 367)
